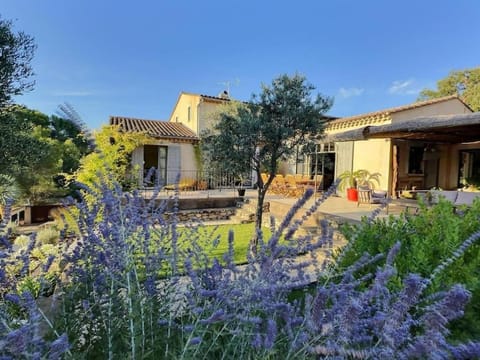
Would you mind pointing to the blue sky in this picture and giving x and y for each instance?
(133, 58)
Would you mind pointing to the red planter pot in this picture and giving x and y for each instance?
(352, 194)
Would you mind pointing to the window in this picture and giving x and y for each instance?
(415, 160)
(188, 113)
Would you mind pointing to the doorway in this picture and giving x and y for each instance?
(323, 163)
(155, 165)
(469, 169)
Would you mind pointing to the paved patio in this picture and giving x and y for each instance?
(335, 207)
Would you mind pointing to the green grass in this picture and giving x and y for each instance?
(207, 236)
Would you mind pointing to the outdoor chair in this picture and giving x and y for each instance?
(186, 184)
(278, 185)
(292, 188)
(366, 195)
(298, 177)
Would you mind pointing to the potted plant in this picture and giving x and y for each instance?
(350, 180)
(367, 179)
(241, 182)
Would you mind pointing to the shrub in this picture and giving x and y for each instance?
(48, 235)
(427, 239)
(21, 241)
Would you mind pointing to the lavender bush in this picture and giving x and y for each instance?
(133, 286)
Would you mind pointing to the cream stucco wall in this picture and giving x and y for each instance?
(206, 113)
(180, 112)
(187, 162)
(201, 111)
(449, 107)
(374, 155)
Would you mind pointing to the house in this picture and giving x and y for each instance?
(173, 146)
(195, 111)
(171, 150)
(434, 143)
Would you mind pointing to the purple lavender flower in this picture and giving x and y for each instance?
(195, 340)
(58, 347)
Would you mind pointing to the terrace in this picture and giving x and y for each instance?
(334, 207)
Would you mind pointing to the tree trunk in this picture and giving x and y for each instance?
(262, 191)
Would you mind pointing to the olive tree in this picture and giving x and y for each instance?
(259, 134)
(16, 53)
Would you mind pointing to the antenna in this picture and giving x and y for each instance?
(226, 84)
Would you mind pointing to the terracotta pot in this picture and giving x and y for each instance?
(352, 194)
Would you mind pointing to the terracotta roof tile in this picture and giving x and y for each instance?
(154, 128)
(395, 109)
(216, 97)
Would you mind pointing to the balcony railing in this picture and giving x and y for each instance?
(195, 180)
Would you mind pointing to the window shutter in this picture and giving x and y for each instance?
(173, 163)
(137, 163)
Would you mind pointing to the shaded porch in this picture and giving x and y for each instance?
(440, 151)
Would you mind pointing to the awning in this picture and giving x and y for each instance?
(440, 128)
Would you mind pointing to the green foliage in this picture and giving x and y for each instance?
(427, 239)
(348, 179)
(465, 83)
(112, 158)
(231, 145)
(21, 241)
(268, 129)
(30, 284)
(16, 143)
(361, 177)
(366, 178)
(16, 53)
(48, 236)
(55, 152)
(8, 189)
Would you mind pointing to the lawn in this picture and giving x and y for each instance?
(214, 239)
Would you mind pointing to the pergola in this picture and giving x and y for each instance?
(448, 129)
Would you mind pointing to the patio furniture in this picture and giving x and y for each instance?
(186, 184)
(457, 198)
(306, 182)
(432, 197)
(367, 195)
(293, 188)
(278, 185)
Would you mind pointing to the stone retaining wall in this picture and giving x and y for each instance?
(203, 214)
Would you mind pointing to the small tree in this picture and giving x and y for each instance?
(111, 159)
(268, 129)
(16, 53)
(464, 83)
(58, 145)
(231, 145)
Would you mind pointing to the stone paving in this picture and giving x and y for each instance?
(335, 206)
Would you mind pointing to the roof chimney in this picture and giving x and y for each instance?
(224, 95)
